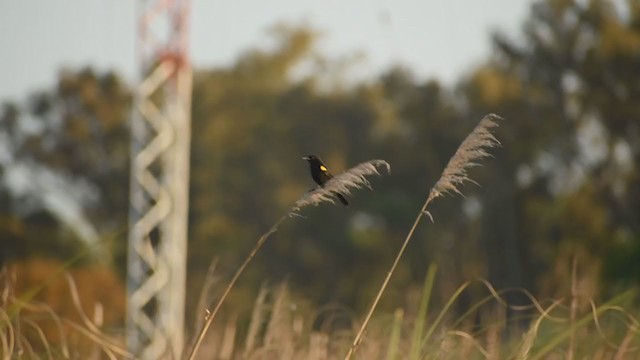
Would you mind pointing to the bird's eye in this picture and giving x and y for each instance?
(323, 168)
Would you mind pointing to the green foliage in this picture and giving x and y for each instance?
(67, 166)
(569, 182)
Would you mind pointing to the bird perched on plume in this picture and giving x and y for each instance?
(320, 174)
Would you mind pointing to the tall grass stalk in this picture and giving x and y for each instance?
(421, 317)
(473, 149)
(611, 305)
(205, 292)
(16, 311)
(394, 339)
(574, 305)
(257, 317)
(344, 183)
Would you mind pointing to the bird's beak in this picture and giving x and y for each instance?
(305, 158)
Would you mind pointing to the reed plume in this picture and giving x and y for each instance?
(470, 152)
(354, 178)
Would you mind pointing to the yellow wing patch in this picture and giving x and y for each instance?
(323, 168)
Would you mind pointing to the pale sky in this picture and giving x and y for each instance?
(435, 38)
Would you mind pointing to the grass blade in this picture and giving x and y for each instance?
(421, 317)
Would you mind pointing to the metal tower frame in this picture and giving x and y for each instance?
(160, 143)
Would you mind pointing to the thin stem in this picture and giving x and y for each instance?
(358, 337)
(213, 313)
(574, 305)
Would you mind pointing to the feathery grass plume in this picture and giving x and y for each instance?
(344, 183)
(473, 149)
(354, 178)
(470, 152)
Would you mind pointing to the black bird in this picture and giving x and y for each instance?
(321, 174)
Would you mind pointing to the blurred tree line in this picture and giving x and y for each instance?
(566, 181)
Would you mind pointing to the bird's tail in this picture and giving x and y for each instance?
(342, 199)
